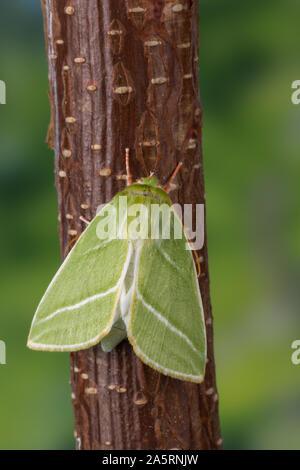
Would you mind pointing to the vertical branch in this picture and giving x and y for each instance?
(124, 73)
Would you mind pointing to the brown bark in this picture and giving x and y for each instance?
(124, 73)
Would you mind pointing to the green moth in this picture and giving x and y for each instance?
(119, 282)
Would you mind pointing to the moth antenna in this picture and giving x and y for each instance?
(129, 177)
(168, 186)
(87, 222)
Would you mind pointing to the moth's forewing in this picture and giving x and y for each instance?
(166, 321)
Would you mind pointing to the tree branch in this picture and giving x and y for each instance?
(125, 74)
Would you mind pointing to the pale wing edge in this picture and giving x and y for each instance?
(163, 370)
(71, 347)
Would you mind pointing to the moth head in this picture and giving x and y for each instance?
(149, 181)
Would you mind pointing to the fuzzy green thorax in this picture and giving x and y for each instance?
(147, 188)
(150, 181)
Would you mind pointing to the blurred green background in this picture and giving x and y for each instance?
(249, 56)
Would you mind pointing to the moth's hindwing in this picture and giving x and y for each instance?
(79, 306)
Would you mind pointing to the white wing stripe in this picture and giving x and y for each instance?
(97, 247)
(79, 304)
(167, 257)
(163, 320)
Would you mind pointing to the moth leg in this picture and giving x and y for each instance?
(197, 263)
(197, 260)
(87, 222)
(73, 240)
(71, 243)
